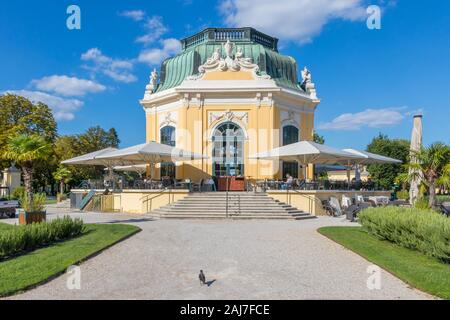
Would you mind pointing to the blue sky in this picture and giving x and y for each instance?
(370, 81)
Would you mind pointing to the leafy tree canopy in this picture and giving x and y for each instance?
(95, 138)
(19, 115)
(386, 174)
(318, 138)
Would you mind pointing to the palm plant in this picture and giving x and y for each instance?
(26, 150)
(63, 175)
(430, 163)
(444, 180)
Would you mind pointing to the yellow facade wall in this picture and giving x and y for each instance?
(263, 129)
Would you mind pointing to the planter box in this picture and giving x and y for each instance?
(31, 217)
(234, 183)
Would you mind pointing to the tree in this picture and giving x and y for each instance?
(430, 164)
(385, 174)
(63, 175)
(318, 138)
(18, 116)
(26, 150)
(96, 138)
(444, 179)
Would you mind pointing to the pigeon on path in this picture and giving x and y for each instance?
(202, 277)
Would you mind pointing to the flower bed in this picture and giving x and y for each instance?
(30, 237)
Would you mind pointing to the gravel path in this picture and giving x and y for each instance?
(247, 260)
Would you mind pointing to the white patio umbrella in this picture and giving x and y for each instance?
(139, 168)
(91, 159)
(365, 159)
(370, 158)
(306, 152)
(416, 145)
(150, 153)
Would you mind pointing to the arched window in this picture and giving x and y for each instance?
(228, 150)
(168, 137)
(290, 136)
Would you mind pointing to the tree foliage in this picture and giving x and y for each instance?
(19, 116)
(318, 138)
(385, 174)
(431, 164)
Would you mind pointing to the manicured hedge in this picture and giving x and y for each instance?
(30, 237)
(422, 230)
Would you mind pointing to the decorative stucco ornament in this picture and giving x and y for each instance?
(217, 63)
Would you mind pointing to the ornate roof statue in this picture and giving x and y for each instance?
(153, 83)
(154, 78)
(229, 48)
(306, 75)
(307, 83)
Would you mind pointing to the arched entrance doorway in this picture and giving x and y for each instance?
(228, 150)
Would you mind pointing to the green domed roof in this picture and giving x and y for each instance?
(256, 45)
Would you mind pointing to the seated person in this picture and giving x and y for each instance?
(289, 182)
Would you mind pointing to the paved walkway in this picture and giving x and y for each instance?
(247, 260)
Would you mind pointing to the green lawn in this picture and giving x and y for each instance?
(414, 268)
(4, 227)
(36, 267)
(50, 201)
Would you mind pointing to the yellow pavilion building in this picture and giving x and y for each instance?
(228, 95)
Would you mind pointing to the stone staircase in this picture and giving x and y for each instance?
(241, 205)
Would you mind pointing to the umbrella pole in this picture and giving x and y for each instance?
(110, 177)
(348, 175)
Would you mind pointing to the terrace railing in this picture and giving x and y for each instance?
(232, 34)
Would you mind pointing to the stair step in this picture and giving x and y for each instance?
(240, 206)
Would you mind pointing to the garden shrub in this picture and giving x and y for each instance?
(18, 193)
(422, 230)
(30, 237)
(402, 195)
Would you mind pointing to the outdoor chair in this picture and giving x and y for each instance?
(167, 182)
(336, 207)
(197, 186)
(352, 212)
(346, 202)
(445, 208)
(327, 207)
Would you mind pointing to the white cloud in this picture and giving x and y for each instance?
(119, 70)
(63, 109)
(155, 56)
(290, 20)
(155, 29)
(136, 15)
(371, 118)
(67, 86)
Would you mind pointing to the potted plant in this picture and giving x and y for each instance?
(33, 212)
